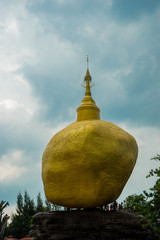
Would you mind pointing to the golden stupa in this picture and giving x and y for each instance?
(88, 163)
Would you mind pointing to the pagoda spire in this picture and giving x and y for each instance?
(88, 108)
(87, 76)
(87, 79)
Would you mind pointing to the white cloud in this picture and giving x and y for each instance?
(12, 27)
(11, 166)
(15, 113)
(44, 51)
(16, 101)
(10, 104)
(10, 210)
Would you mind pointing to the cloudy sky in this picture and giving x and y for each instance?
(43, 49)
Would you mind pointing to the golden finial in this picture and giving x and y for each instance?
(87, 61)
(88, 76)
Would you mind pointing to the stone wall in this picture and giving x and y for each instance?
(90, 225)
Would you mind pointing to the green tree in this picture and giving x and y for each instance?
(147, 204)
(26, 208)
(3, 219)
(21, 221)
(48, 205)
(19, 208)
(135, 203)
(52, 207)
(39, 207)
(153, 197)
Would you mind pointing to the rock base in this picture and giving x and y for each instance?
(90, 225)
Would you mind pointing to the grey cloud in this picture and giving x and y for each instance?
(56, 95)
(139, 101)
(56, 86)
(50, 50)
(125, 10)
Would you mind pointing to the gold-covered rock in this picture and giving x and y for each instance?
(87, 164)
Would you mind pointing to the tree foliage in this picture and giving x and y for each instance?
(147, 203)
(40, 206)
(26, 208)
(153, 197)
(3, 219)
(49, 206)
(135, 203)
(20, 222)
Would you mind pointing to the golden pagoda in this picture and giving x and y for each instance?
(88, 163)
(88, 109)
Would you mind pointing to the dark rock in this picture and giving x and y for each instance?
(90, 225)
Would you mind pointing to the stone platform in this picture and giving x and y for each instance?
(89, 225)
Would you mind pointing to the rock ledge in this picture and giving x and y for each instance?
(90, 225)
